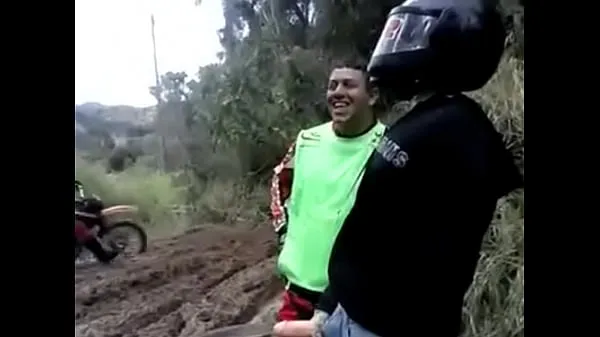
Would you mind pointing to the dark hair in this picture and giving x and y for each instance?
(356, 63)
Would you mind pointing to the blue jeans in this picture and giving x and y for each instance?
(340, 325)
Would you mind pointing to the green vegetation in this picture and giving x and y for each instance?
(150, 190)
(224, 130)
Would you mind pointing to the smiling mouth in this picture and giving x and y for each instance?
(338, 105)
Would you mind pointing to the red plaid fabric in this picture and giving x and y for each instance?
(281, 187)
(294, 308)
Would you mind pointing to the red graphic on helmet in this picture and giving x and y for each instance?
(392, 28)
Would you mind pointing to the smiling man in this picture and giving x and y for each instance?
(314, 187)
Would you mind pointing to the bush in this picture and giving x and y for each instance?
(153, 192)
(228, 201)
(120, 159)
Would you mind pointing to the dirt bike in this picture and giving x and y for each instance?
(115, 226)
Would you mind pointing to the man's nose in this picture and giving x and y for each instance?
(338, 91)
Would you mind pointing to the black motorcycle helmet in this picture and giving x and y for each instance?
(441, 46)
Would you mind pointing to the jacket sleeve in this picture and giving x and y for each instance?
(281, 188)
(327, 302)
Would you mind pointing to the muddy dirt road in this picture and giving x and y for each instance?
(182, 286)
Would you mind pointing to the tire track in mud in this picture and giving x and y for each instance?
(183, 286)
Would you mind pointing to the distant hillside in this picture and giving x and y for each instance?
(119, 113)
(97, 125)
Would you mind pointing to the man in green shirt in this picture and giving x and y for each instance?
(313, 188)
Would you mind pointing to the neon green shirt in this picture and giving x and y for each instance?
(327, 172)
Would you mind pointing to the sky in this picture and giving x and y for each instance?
(113, 45)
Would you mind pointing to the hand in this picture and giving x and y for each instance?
(319, 318)
(304, 328)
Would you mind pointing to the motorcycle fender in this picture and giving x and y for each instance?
(115, 214)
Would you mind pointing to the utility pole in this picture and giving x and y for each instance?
(157, 93)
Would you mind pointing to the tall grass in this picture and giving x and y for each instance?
(494, 305)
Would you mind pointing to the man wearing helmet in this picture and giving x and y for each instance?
(436, 176)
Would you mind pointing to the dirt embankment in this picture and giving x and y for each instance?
(182, 286)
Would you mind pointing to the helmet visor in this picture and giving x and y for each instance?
(405, 31)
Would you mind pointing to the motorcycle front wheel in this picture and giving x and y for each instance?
(128, 238)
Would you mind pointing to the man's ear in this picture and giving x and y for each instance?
(373, 96)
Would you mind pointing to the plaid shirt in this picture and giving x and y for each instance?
(281, 188)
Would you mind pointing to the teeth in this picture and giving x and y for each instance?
(340, 105)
